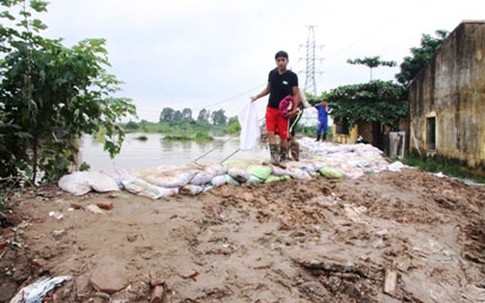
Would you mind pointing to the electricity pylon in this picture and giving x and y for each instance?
(310, 46)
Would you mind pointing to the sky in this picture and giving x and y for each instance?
(216, 54)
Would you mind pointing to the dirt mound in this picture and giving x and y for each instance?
(295, 241)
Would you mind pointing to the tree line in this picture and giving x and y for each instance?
(216, 118)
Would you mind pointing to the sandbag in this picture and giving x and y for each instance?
(278, 171)
(168, 177)
(274, 178)
(230, 180)
(218, 181)
(254, 180)
(239, 174)
(76, 183)
(331, 173)
(142, 188)
(299, 174)
(81, 182)
(203, 177)
(101, 182)
(191, 189)
(260, 171)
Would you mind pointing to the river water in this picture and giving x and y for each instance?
(157, 152)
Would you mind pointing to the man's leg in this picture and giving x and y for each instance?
(319, 131)
(271, 126)
(324, 129)
(283, 132)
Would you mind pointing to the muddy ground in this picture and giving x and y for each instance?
(294, 241)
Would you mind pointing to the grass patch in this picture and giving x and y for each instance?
(141, 138)
(199, 136)
(453, 168)
(177, 138)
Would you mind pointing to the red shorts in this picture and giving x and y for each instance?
(276, 123)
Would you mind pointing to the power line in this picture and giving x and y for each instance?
(230, 98)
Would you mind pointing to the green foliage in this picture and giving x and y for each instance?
(372, 62)
(170, 115)
(203, 116)
(411, 65)
(219, 118)
(233, 126)
(142, 138)
(131, 126)
(51, 95)
(177, 138)
(200, 136)
(377, 101)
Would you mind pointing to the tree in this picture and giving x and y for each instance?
(187, 115)
(233, 126)
(177, 116)
(372, 62)
(167, 114)
(411, 65)
(376, 102)
(219, 118)
(51, 95)
(203, 116)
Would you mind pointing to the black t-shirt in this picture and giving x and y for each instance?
(281, 86)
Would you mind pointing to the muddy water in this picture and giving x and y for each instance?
(156, 152)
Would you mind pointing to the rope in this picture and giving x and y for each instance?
(233, 153)
(211, 150)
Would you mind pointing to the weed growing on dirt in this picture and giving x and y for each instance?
(447, 166)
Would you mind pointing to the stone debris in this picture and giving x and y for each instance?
(109, 279)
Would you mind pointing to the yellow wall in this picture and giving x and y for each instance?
(451, 88)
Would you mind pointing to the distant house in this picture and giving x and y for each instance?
(447, 99)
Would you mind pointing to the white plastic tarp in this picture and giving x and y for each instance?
(250, 132)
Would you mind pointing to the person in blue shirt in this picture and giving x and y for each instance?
(323, 111)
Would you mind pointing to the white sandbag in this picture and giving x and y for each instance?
(218, 169)
(169, 178)
(278, 171)
(396, 166)
(76, 183)
(140, 187)
(101, 182)
(218, 180)
(239, 174)
(203, 176)
(299, 174)
(250, 131)
(191, 190)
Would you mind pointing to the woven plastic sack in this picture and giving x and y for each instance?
(331, 173)
(260, 171)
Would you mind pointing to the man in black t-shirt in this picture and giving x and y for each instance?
(281, 83)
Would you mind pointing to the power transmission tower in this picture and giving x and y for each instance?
(310, 46)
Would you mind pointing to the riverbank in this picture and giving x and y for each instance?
(316, 240)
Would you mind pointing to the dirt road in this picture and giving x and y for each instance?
(403, 236)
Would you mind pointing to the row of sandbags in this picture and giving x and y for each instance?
(168, 181)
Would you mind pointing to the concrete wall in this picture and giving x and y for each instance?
(451, 90)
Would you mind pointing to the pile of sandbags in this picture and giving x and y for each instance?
(323, 159)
